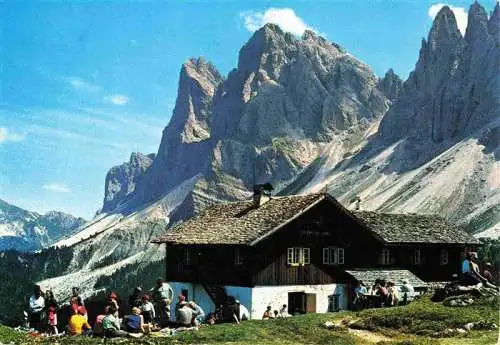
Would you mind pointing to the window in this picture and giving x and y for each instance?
(385, 258)
(298, 256)
(416, 257)
(187, 257)
(444, 257)
(333, 256)
(238, 257)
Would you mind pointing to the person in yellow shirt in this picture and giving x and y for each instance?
(77, 322)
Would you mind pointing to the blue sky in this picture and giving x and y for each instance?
(83, 84)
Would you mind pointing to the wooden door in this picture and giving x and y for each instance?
(310, 302)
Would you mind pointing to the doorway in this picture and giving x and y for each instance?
(301, 303)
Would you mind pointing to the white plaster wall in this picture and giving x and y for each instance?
(196, 293)
(276, 296)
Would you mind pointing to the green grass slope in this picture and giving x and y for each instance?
(409, 325)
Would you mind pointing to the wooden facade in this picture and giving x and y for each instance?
(267, 262)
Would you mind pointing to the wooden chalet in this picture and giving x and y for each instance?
(306, 251)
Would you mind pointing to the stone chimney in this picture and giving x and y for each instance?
(358, 203)
(261, 194)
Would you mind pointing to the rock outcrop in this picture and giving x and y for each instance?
(390, 85)
(454, 87)
(437, 148)
(267, 120)
(121, 180)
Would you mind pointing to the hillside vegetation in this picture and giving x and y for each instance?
(415, 324)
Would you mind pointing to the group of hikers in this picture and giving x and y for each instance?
(147, 312)
(270, 314)
(387, 294)
(472, 275)
(383, 294)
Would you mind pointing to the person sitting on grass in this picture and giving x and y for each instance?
(78, 323)
(198, 313)
(268, 314)
(111, 325)
(284, 311)
(470, 273)
(184, 315)
(98, 328)
(134, 323)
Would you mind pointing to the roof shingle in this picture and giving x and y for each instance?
(368, 276)
(413, 228)
(242, 223)
(238, 222)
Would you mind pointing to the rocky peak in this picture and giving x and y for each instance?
(444, 28)
(390, 84)
(494, 24)
(192, 114)
(454, 86)
(477, 24)
(122, 179)
(268, 49)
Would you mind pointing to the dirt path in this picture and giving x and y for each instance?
(367, 336)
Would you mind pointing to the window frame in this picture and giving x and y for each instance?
(298, 256)
(385, 256)
(332, 256)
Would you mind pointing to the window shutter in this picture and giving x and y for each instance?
(335, 256)
(340, 256)
(326, 256)
(306, 256)
(290, 256)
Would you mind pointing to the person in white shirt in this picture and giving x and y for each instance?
(36, 305)
(284, 311)
(407, 292)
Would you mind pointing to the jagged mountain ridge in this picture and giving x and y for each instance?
(438, 147)
(269, 119)
(259, 132)
(210, 152)
(28, 231)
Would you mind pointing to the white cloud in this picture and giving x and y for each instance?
(82, 85)
(56, 187)
(284, 17)
(459, 12)
(7, 135)
(117, 99)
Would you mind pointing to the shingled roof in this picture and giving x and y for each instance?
(242, 223)
(413, 228)
(239, 222)
(368, 276)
